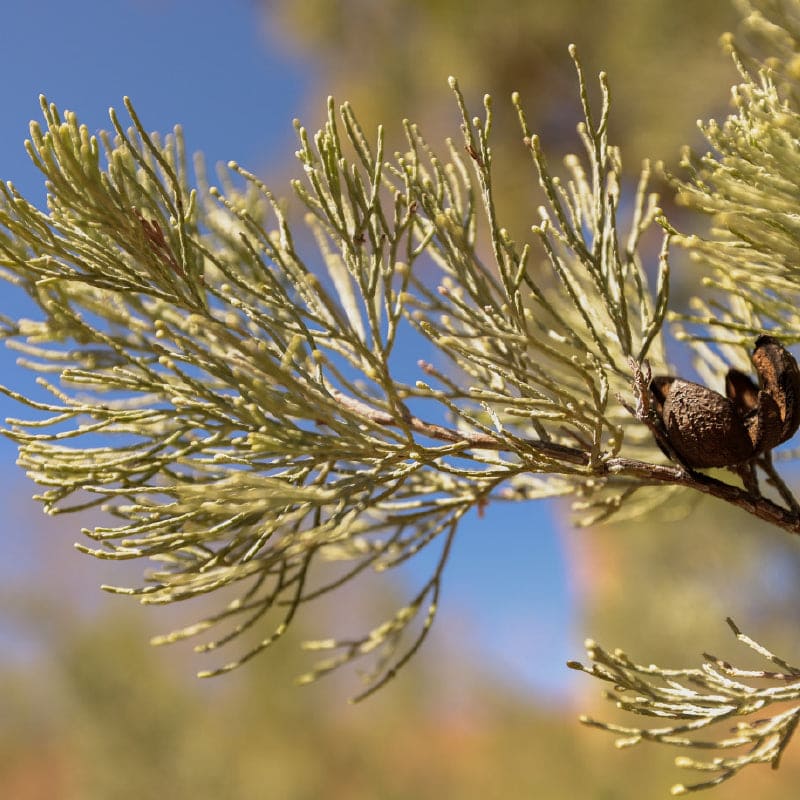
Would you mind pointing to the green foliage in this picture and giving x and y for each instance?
(228, 385)
(251, 419)
(504, 47)
(748, 183)
(696, 699)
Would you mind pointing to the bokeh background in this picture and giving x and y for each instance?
(488, 710)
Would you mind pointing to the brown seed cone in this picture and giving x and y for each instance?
(780, 376)
(704, 428)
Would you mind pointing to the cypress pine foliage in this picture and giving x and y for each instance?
(228, 385)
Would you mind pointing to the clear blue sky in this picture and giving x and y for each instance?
(209, 66)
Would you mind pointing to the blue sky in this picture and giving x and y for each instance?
(211, 67)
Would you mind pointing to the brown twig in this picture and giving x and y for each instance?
(759, 506)
(481, 441)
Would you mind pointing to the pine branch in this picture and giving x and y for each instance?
(747, 185)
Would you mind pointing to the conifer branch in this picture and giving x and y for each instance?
(226, 387)
(253, 426)
(695, 700)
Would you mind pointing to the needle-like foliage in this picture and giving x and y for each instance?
(227, 387)
(235, 390)
(688, 702)
(747, 182)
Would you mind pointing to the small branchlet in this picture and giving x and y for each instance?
(746, 183)
(696, 699)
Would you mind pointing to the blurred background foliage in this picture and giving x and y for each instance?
(88, 710)
(391, 60)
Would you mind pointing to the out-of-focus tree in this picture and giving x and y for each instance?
(99, 716)
(665, 587)
(392, 59)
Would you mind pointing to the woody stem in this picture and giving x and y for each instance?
(753, 503)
